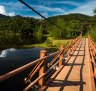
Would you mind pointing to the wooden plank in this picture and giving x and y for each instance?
(75, 76)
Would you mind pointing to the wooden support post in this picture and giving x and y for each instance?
(61, 56)
(68, 55)
(76, 45)
(71, 51)
(43, 67)
(95, 72)
(72, 48)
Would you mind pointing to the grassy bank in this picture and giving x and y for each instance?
(50, 43)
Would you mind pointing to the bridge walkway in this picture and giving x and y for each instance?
(74, 75)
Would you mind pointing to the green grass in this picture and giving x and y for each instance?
(85, 36)
(58, 42)
(54, 43)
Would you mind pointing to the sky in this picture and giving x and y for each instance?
(47, 8)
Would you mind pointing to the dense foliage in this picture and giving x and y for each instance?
(20, 30)
(93, 26)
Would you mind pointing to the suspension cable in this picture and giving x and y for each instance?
(40, 14)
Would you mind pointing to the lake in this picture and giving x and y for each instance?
(11, 59)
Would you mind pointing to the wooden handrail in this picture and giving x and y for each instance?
(54, 59)
(22, 68)
(50, 69)
(41, 76)
(39, 62)
(32, 73)
(57, 56)
(92, 51)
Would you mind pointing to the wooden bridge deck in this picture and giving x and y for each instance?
(76, 75)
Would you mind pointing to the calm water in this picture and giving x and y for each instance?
(13, 58)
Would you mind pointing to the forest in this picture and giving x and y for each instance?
(18, 30)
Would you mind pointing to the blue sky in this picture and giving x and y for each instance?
(47, 7)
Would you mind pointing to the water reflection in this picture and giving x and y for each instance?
(16, 41)
(13, 58)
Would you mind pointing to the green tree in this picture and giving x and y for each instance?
(94, 11)
(73, 28)
(59, 33)
(93, 32)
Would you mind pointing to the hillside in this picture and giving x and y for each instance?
(27, 30)
(75, 16)
(3, 16)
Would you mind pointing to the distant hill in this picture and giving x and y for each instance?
(31, 30)
(74, 16)
(70, 22)
(3, 16)
(18, 16)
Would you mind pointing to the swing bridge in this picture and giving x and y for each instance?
(72, 68)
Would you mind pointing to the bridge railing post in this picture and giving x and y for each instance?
(95, 71)
(43, 67)
(68, 54)
(61, 56)
(73, 48)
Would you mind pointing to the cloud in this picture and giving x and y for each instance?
(44, 8)
(11, 14)
(19, 7)
(85, 9)
(4, 12)
(65, 2)
(35, 16)
(45, 14)
(13, 5)
(49, 9)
